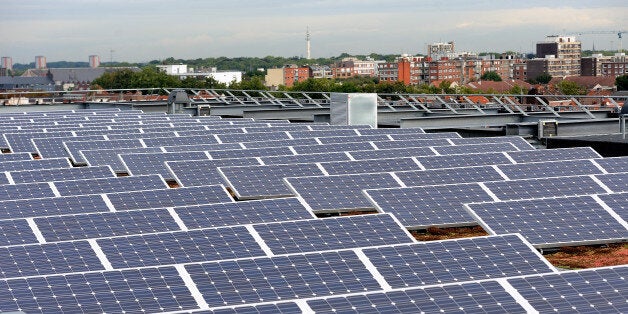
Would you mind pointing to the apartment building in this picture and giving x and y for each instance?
(558, 56)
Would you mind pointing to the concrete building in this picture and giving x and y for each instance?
(7, 63)
(173, 69)
(437, 51)
(94, 61)
(559, 56)
(352, 66)
(617, 65)
(40, 62)
(274, 78)
(320, 71)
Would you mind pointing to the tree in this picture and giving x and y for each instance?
(491, 76)
(570, 88)
(622, 82)
(543, 78)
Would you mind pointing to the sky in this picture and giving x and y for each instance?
(145, 30)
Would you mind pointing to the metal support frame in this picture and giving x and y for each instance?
(622, 125)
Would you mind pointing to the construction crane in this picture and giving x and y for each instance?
(619, 34)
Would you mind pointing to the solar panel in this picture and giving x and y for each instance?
(549, 169)
(11, 209)
(256, 182)
(21, 142)
(363, 166)
(601, 290)
(324, 127)
(127, 136)
(617, 182)
(391, 153)
(551, 222)
(180, 247)
(442, 135)
(127, 129)
(278, 308)
(16, 232)
(254, 152)
(25, 191)
(339, 193)
(544, 187)
(281, 278)
(53, 147)
(463, 160)
(163, 198)
(554, 154)
(618, 202)
(50, 258)
(204, 147)
(182, 140)
(427, 206)
(486, 297)
(109, 157)
(137, 290)
(391, 131)
(278, 143)
(475, 148)
(449, 176)
(154, 163)
(349, 139)
(308, 158)
(15, 157)
(73, 148)
(615, 164)
(241, 213)
(203, 172)
(332, 233)
(338, 147)
(324, 133)
(517, 141)
(459, 260)
(44, 175)
(278, 128)
(248, 137)
(411, 143)
(109, 185)
(101, 225)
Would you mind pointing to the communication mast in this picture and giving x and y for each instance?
(307, 40)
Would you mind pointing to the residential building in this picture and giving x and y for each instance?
(351, 66)
(274, 78)
(173, 69)
(320, 71)
(592, 66)
(21, 83)
(616, 66)
(293, 73)
(558, 56)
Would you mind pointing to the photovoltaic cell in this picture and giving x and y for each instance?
(272, 308)
(148, 290)
(554, 154)
(551, 222)
(348, 139)
(180, 247)
(254, 152)
(279, 143)
(45, 259)
(338, 147)
(16, 232)
(448, 176)
(617, 182)
(155, 163)
(340, 193)
(102, 225)
(486, 297)
(324, 133)
(426, 206)
(248, 137)
(204, 172)
(475, 148)
(163, 198)
(517, 141)
(255, 182)
(240, 213)
(281, 278)
(442, 135)
(53, 147)
(463, 160)
(182, 140)
(51, 206)
(74, 148)
(412, 143)
(544, 187)
(367, 166)
(332, 233)
(109, 157)
(615, 164)
(308, 158)
(53, 163)
(549, 169)
(391, 131)
(44, 175)
(21, 142)
(109, 185)
(618, 202)
(15, 157)
(602, 290)
(25, 191)
(391, 153)
(198, 147)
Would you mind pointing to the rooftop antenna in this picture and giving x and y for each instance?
(307, 40)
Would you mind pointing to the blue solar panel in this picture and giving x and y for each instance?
(517, 141)
(44, 175)
(182, 140)
(460, 260)
(74, 148)
(21, 142)
(278, 143)
(618, 202)
(255, 182)
(273, 308)
(281, 278)
(309, 158)
(127, 136)
(481, 297)
(52, 206)
(109, 185)
(340, 193)
(15, 232)
(617, 182)
(204, 147)
(464, 160)
(448, 176)
(324, 133)
(611, 165)
(101, 225)
(544, 187)
(338, 147)
(109, 157)
(180, 247)
(254, 152)
(239, 213)
(15, 157)
(53, 146)
(602, 290)
(154, 163)
(44, 259)
(248, 137)
(391, 153)
(443, 135)
(475, 148)
(148, 290)
(278, 128)
(332, 233)
(349, 139)
(551, 222)
(412, 143)
(549, 169)
(53, 163)
(163, 198)
(204, 172)
(554, 154)
(367, 166)
(391, 131)
(25, 191)
(423, 207)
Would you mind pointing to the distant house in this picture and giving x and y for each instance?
(499, 87)
(590, 83)
(73, 78)
(20, 83)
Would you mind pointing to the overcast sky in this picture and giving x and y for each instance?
(144, 30)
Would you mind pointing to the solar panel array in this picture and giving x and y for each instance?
(89, 222)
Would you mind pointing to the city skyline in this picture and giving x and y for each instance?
(144, 30)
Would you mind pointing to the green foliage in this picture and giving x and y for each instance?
(570, 88)
(543, 78)
(491, 76)
(254, 83)
(622, 82)
(516, 90)
(146, 78)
